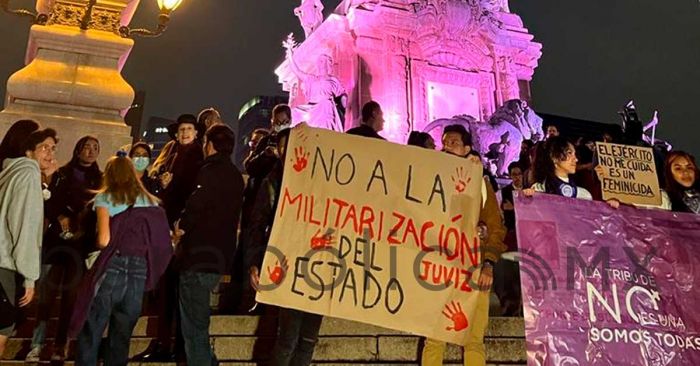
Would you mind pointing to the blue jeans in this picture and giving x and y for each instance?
(297, 338)
(195, 291)
(117, 302)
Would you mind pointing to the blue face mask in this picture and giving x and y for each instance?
(141, 163)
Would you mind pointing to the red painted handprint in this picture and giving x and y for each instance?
(302, 159)
(456, 314)
(319, 241)
(460, 180)
(277, 274)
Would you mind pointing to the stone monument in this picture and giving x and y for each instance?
(422, 60)
(72, 80)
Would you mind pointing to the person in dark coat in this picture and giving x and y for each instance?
(298, 330)
(258, 165)
(176, 169)
(66, 242)
(372, 121)
(177, 165)
(206, 240)
(506, 281)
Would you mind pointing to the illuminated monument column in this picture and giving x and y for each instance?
(422, 60)
(72, 80)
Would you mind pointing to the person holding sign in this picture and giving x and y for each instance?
(552, 170)
(457, 141)
(298, 330)
(682, 182)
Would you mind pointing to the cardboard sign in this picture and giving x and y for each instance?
(608, 287)
(376, 232)
(630, 174)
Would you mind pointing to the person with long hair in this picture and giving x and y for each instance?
(176, 170)
(133, 235)
(555, 163)
(682, 183)
(140, 155)
(12, 145)
(66, 241)
(21, 214)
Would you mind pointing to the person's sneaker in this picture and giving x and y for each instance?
(33, 355)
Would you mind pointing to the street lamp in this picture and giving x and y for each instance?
(5, 6)
(90, 15)
(166, 7)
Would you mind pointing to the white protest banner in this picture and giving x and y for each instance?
(376, 232)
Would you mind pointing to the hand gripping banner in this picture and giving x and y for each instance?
(376, 232)
(608, 287)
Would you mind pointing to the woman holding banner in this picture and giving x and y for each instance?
(553, 167)
(681, 182)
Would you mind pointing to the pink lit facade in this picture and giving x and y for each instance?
(422, 60)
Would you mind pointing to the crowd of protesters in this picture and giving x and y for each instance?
(163, 231)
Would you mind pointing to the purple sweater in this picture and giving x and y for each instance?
(143, 226)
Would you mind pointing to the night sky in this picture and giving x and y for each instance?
(597, 55)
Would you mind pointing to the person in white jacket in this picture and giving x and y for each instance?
(21, 221)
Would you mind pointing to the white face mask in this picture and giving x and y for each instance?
(141, 163)
(279, 128)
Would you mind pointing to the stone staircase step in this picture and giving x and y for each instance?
(402, 349)
(245, 325)
(250, 338)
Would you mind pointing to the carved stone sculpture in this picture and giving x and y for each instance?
(325, 95)
(422, 60)
(500, 138)
(310, 14)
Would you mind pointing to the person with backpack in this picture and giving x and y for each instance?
(133, 233)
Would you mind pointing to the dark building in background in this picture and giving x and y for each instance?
(573, 127)
(134, 116)
(156, 133)
(254, 114)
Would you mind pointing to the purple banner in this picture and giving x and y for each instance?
(608, 287)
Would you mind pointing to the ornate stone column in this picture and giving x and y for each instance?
(72, 80)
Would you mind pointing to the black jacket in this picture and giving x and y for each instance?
(508, 215)
(210, 218)
(258, 166)
(183, 163)
(262, 217)
(364, 130)
(72, 188)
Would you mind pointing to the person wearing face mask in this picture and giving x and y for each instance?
(140, 155)
(259, 163)
(297, 333)
(682, 183)
(263, 157)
